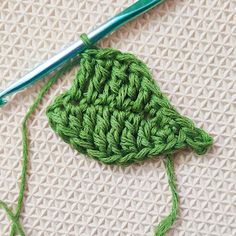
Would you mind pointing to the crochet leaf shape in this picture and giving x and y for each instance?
(115, 112)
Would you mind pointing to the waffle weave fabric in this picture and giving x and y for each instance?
(190, 49)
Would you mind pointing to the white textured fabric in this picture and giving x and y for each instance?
(190, 46)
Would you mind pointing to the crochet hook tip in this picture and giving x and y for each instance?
(3, 101)
(71, 51)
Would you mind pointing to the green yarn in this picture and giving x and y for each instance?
(14, 217)
(166, 223)
(115, 113)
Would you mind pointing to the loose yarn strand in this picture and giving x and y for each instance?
(25, 142)
(12, 217)
(166, 223)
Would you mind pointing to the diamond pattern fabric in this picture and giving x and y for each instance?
(190, 47)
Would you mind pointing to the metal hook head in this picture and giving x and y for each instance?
(3, 101)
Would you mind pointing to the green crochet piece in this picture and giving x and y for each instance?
(115, 113)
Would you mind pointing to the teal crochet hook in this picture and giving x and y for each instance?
(77, 47)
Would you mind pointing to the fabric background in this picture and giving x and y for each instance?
(190, 46)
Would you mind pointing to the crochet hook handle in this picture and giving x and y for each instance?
(77, 47)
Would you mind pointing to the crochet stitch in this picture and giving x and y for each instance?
(115, 113)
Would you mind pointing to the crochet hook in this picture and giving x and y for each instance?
(77, 47)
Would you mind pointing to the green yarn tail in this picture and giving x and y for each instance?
(166, 224)
(14, 217)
